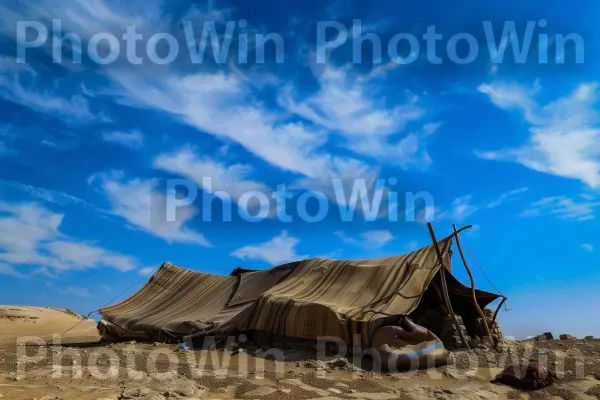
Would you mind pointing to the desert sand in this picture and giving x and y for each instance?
(81, 367)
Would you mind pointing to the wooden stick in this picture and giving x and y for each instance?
(464, 260)
(498, 309)
(445, 287)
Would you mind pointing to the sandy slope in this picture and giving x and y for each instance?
(18, 321)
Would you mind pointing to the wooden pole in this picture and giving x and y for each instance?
(498, 309)
(464, 260)
(445, 287)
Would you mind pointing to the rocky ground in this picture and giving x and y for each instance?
(81, 367)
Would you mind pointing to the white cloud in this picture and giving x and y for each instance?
(200, 14)
(474, 232)
(6, 269)
(4, 150)
(512, 96)
(76, 291)
(51, 196)
(145, 207)
(564, 134)
(231, 179)
(279, 250)
(460, 209)
(133, 139)
(12, 88)
(411, 246)
(48, 143)
(87, 17)
(346, 103)
(505, 197)
(375, 238)
(578, 209)
(35, 240)
(343, 103)
(147, 271)
(463, 207)
(222, 105)
(588, 247)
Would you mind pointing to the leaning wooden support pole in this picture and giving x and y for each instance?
(445, 287)
(479, 310)
(498, 309)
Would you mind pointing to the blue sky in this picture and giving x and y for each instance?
(87, 150)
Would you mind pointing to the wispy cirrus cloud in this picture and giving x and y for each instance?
(374, 238)
(13, 88)
(51, 196)
(460, 209)
(348, 104)
(465, 206)
(234, 179)
(564, 134)
(146, 271)
(76, 291)
(582, 208)
(132, 139)
(506, 197)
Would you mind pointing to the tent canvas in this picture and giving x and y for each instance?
(305, 299)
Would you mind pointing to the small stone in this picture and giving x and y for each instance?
(261, 391)
(476, 342)
(567, 337)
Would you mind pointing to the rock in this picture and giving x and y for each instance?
(334, 390)
(475, 342)
(140, 393)
(261, 391)
(341, 363)
(590, 338)
(567, 337)
(543, 337)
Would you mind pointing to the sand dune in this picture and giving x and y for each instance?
(44, 322)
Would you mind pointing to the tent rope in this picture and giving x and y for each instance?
(83, 319)
(129, 288)
(108, 302)
(479, 266)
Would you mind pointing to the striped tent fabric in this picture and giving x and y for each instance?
(306, 299)
(178, 302)
(333, 298)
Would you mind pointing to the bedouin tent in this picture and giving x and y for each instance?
(307, 299)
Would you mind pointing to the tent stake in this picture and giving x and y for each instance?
(462, 256)
(445, 287)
